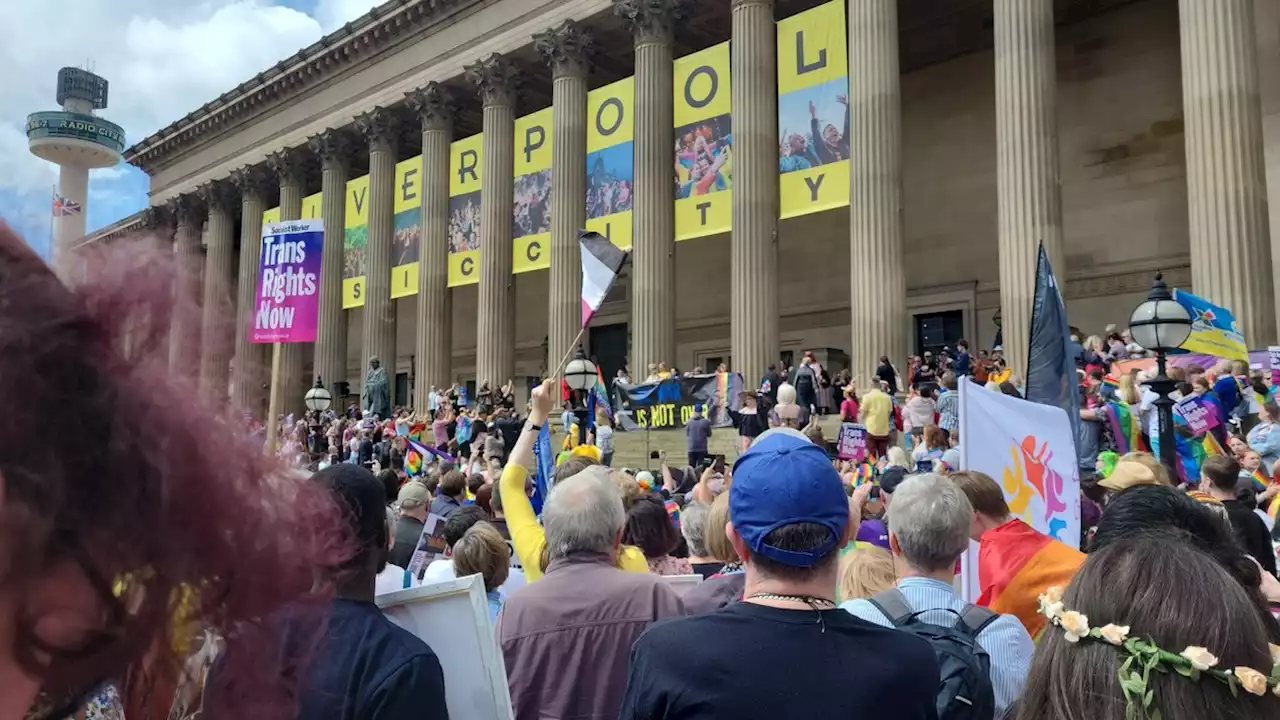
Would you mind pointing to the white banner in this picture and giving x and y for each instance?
(1029, 449)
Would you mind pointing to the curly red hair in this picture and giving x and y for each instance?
(108, 460)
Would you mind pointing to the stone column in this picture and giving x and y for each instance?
(251, 358)
(567, 50)
(1231, 253)
(380, 127)
(496, 78)
(878, 287)
(219, 307)
(434, 107)
(753, 253)
(334, 148)
(184, 339)
(292, 383)
(158, 222)
(1027, 182)
(653, 278)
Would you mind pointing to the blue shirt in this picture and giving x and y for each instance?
(1005, 640)
(495, 604)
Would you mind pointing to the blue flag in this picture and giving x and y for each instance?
(545, 460)
(1051, 368)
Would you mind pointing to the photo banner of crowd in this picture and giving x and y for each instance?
(669, 404)
(813, 162)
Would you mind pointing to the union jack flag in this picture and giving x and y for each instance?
(62, 207)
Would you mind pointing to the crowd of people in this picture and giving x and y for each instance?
(532, 195)
(160, 565)
(703, 155)
(606, 193)
(464, 222)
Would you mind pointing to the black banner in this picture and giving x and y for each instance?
(669, 404)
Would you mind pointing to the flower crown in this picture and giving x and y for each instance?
(1144, 656)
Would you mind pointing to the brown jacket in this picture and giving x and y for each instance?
(567, 638)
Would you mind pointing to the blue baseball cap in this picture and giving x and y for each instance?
(785, 479)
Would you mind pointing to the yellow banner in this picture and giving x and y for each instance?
(311, 207)
(464, 210)
(408, 228)
(310, 210)
(531, 214)
(355, 238)
(813, 111)
(704, 140)
(610, 160)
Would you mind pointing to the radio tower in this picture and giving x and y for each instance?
(75, 140)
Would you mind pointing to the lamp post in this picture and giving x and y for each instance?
(580, 376)
(317, 400)
(1160, 324)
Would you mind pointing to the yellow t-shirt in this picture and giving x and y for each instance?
(877, 413)
(1000, 377)
(527, 535)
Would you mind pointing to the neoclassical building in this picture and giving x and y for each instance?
(1127, 136)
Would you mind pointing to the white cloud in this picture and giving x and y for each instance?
(163, 59)
(332, 14)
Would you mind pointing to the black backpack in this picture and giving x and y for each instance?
(965, 691)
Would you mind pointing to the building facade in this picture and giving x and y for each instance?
(448, 145)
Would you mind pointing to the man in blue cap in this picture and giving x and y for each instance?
(786, 650)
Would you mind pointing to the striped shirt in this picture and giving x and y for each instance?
(1005, 640)
(949, 410)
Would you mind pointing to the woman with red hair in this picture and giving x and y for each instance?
(132, 519)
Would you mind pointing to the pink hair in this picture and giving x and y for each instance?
(107, 458)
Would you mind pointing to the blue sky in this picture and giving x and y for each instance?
(162, 59)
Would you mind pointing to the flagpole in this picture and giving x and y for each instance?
(564, 360)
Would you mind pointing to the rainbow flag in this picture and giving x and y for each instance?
(413, 463)
(864, 473)
(1125, 428)
(1274, 509)
(1259, 481)
(416, 430)
(1111, 382)
(1016, 564)
(600, 393)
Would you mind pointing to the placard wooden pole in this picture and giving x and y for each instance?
(273, 401)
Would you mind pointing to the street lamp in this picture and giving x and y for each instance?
(1160, 324)
(317, 400)
(580, 375)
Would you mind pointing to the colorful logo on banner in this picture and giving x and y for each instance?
(1030, 449)
(407, 229)
(610, 160)
(704, 143)
(852, 443)
(288, 300)
(1028, 475)
(355, 241)
(531, 212)
(813, 111)
(1213, 328)
(1200, 414)
(464, 210)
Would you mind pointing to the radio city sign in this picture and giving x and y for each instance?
(76, 126)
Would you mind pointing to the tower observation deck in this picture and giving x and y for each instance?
(76, 140)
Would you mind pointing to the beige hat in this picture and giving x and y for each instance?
(1128, 474)
(413, 494)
